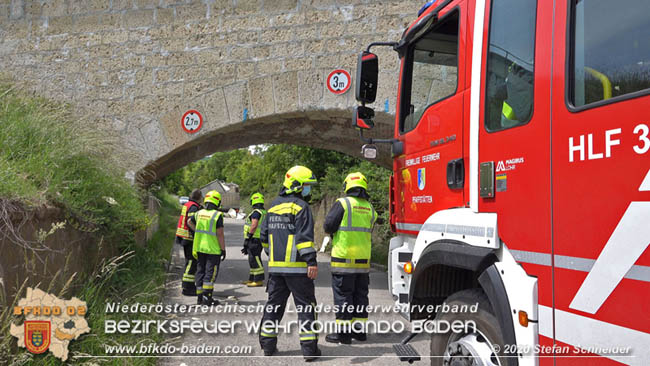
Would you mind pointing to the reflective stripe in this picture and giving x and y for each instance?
(291, 253)
(248, 222)
(349, 226)
(285, 208)
(287, 264)
(353, 237)
(407, 226)
(211, 225)
(308, 244)
(214, 275)
(270, 252)
(271, 335)
(637, 272)
(352, 228)
(361, 320)
(307, 251)
(182, 229)
(206, 239)
(308, 336)
(214, 215)
(349, 207)
(348, 260)
(259, 262)
(287, 270)
(349, 270)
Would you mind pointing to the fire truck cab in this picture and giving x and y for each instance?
(521, 178)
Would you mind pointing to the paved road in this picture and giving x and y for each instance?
(377, 350)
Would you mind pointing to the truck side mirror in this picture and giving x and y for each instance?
(362, 117)
(367, 75)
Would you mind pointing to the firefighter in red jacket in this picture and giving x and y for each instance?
(287, 236)
(185, 237)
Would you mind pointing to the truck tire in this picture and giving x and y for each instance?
(474, 347)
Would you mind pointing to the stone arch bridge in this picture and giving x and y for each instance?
(255, 69)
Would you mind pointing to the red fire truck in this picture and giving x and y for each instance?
(521, 178)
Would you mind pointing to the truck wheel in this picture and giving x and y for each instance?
(470, 347)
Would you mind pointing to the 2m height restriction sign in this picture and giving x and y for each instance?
(338, 81)
(192, 121)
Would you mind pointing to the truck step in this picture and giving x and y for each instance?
(406, 352)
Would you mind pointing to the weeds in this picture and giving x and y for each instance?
(135, 276)
(49, 157)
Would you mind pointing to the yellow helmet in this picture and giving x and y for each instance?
(355, 179)
(213, 197)
(297, 177)
(256, 198)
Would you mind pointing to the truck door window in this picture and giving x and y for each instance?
(609, 51)
(431, 71)
(510, 64)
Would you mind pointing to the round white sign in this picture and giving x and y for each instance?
(338, 81)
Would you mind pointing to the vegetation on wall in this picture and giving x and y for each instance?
(48, 157)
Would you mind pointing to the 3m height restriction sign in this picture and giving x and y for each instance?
(338, 81)
(192, 121)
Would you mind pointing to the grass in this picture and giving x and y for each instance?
(49, 157)
(136, 276)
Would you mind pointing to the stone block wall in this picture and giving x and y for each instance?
(132, 67)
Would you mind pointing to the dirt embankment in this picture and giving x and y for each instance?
(44, 247)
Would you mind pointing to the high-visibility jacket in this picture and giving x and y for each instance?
(352, 241)
(247, 223)
(181, 229)
(205, 236)
(287, 235)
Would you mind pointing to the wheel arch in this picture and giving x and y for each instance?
(449, 266)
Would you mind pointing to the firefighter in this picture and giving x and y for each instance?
(252, 243)
(287, 236)
(350, 221)
(185, 237)
(209, 247)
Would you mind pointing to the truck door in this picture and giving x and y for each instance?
(430, 117)
(601, 177)
(514, 133)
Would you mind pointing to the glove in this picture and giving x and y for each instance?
(223, 255)
(245, 249)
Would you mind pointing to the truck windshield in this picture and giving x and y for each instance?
(431, 71)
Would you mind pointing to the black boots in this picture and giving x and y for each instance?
(206, 299)
(270, 352)
(338, 338)
(313, 357)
